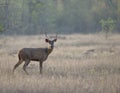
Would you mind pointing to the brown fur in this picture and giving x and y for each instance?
(34, 54)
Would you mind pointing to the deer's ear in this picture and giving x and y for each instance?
(46, 40)
(55, 40)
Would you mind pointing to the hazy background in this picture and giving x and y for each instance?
(61, 16)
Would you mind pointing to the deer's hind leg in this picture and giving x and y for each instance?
(16, 65)
(25, 65)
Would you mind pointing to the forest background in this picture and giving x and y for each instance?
(61, 16)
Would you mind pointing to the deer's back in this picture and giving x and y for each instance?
(35, 54)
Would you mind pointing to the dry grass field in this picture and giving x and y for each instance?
(78, 64)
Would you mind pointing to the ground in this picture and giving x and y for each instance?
(78, 64)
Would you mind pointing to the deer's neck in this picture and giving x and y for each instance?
(49, 50)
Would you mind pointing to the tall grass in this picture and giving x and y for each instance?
(70, 68)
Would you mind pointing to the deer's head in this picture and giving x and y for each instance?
(50, 42)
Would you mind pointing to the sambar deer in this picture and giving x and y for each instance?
(35, 54)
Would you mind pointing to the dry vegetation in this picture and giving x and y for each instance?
(78, 64)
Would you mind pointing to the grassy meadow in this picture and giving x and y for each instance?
(78, 64)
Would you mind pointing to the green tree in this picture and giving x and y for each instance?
(108, 26)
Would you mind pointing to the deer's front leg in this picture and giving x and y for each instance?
(40, 66)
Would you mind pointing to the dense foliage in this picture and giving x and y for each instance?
(62, 16)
